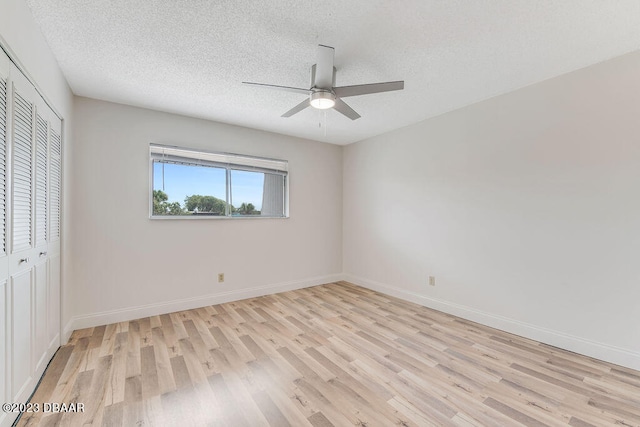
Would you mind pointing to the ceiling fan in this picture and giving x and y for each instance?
(323, 94)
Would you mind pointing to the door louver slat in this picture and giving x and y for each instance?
(42, 129)
(3, 168)
(22, 137)
(55, 177)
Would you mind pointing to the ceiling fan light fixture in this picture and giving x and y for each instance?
(322, 99)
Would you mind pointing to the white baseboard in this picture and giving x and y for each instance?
(597, 350)
(131, 313)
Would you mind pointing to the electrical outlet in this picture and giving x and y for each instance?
(432, 280)
(220, 277)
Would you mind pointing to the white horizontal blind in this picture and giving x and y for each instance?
(273, 195)
(167, 154)
(55, 176)
(42, 128)
(3, 166)
(22, 149)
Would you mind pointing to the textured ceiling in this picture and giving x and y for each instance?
(190, 56)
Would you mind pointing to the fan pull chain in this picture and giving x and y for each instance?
(325, 122)
(322, 120)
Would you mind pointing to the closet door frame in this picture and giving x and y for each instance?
(5, 306)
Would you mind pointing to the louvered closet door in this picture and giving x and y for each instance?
(53, 229)
(44, 260)
(43, 120)
(21, 250)
(47, 167)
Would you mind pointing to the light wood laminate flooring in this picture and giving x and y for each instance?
(335, 354)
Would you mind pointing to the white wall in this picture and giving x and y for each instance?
(127, 266)
(525, 207)
(20, 34)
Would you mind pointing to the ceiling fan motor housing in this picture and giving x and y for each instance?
(322, 99)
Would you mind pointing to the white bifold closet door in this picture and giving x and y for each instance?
(30, 186)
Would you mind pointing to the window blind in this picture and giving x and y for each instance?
(273, 195)
(168, 154)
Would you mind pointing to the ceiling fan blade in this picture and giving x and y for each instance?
(324, 68)
(304, 104)
(345, 91)
(343, 108)
(286, 88)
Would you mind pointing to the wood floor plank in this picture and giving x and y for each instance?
(330, 355)
(113, 415)
(270, 410)
(513, 413)
(166, 381)
(95, 398)
(133, 414)
(117, 375)
(243, 399)
(231, 412)
(180, 372)
(319, 420)
(172, 409)
(133, 349)
(149, 378)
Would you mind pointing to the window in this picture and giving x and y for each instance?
(189, 183)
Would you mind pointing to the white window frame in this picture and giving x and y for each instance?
(227, 161)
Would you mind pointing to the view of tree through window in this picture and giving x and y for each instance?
(245, 197)
(193, 187)
(187, 190)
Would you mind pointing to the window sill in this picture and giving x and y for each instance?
(212, 217)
